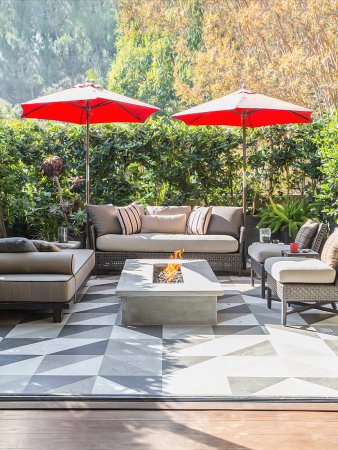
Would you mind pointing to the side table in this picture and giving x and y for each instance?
(69, 244)
(301, 254)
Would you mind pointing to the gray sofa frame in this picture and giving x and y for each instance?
(113, 262)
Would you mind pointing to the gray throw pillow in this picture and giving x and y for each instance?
(225, 220)
(105, 219)
(44, 246)
(16, 245)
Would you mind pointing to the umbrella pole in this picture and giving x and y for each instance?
(87, 172)
(244, 168)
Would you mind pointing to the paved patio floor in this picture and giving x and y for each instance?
(248, 354)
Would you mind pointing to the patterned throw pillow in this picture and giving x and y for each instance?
(130, 219)
(199, 220)
(306, 234)
(330, 251)
(44, 246)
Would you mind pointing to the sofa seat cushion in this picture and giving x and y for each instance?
(157, 242)
(260, 252)
(300, 270)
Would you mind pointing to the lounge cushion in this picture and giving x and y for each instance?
(300, 270)
(60, 263)
(168, 210)
(16, 245)
(225, 220)
(330, 251)
(306, 234)
(163, 224)
(260, 252)
(158, 242)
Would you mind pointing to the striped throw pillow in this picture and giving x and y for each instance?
(199, 220)
(129, 218)
(306, 234)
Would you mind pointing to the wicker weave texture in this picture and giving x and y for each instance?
(303, 292)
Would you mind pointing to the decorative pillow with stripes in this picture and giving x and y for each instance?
(129, 218)
(199, 220)
(306, 234)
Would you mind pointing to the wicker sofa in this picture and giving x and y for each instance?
(222, 246)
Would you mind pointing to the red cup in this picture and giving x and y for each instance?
(294, 247)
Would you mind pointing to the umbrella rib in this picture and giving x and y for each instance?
(128, 112)
(199, 117)
(300, 115)
(35, 109)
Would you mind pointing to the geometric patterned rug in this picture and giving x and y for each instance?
(248, 354)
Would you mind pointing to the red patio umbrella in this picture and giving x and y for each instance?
(245, 109)
(85, 104)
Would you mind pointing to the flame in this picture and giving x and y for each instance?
(172, 268)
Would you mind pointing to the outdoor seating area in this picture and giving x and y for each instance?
(168, 225)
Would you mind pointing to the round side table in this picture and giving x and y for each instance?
(69, 244)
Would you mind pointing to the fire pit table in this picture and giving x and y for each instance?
(147, 301)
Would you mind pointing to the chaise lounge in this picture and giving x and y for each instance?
(34, 280)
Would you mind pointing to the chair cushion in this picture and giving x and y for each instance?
(129, 218)
(199, 220)
(260, 252)
(16, 245)
(168, 210)
(158, 242)
(300, 270)
(225, 220)
(306, 234)
(155, 223)
(330, 250)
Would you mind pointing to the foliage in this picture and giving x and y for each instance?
(199, 50)
(289, 216)
(163, 162)
(326, 197)
(46, 45)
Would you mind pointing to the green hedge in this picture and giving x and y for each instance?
(165, 162)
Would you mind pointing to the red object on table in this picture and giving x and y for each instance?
(294, 247)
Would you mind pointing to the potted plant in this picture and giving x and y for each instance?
(68, 213)
(286, 218)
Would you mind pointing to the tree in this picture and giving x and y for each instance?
(198, 50)
(47, 45)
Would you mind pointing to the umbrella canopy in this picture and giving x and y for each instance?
(245, 109)
(102, 106)
(85, 104)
